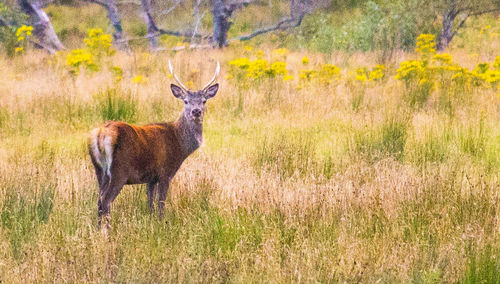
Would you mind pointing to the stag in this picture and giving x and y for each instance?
(150, 154)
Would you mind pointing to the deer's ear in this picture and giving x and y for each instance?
(211, 91)
(177, 91)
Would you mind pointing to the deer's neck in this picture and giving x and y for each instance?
(190, 135)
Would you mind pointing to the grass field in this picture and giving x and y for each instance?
(299, 180)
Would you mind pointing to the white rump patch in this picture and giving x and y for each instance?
(108, 149)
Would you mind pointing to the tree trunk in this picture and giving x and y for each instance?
(114, 17)
(447, 31)
(152, 29)
(42, 28)
(298, 8)
(220, 14)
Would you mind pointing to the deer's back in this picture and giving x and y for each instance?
(142, 153)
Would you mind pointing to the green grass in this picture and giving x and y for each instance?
(21, 217)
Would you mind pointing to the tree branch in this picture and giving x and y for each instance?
(484, 12)
(198, 18)
(3, 22)
(280, 26)
(160, 32)
(166, 12)
(98, 3)
(459, 26)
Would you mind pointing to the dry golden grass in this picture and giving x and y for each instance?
(302, 188)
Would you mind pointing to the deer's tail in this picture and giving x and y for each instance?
(101, 145)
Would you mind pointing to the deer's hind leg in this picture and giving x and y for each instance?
(107, 195)
(152, 190)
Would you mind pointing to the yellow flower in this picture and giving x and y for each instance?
(496, 64)
(138, 79)
(444, 58)
(242, 63)
(21, 38)
(377, 73)
(190, 84)
(257, 68)
(287, 78)
(248, 48)
(281, 52)
(117, 72)
(426, 44)
(277, 68)
(361, 74)
(481, 68)
(305, 60)
(26, 30)
(98, 42)
(78, 57)
(485, 28)
(409, 68)
(328, 73)
(19, 50)
(307, 75)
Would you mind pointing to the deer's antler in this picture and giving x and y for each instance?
(217, 70)
(175, 76)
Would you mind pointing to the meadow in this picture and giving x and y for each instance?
(315, 167)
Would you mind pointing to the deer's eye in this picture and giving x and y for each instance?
(204, 101)
(186, 101)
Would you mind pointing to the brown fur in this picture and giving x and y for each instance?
(149, 154)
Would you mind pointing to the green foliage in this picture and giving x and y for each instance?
(98, 46)
(8, 37)
(483, 267)
(384, 26)
(113, 104)
(20, 217)
(388, 139)
(287, 154)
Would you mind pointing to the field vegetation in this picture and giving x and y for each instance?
(318, 165)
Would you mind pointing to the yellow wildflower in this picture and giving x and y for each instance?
(328, 73)
(98, 42)
(242, 63)
(409, 68)
(281, 52)
(305, 60)
(277, 68)
(377, 73)
(426, 44)
(138, 79)
(307, 75)
(257, 68)
(496, 64)
(287, 78)
(80, 57)
(444, 58)
(24, 30)
(117, 72)
(19, 50)
(361, 74)
(484, 29)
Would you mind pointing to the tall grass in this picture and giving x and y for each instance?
(310, 188)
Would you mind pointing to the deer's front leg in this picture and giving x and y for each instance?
(162, 190)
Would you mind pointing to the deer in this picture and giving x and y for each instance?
(151, 154)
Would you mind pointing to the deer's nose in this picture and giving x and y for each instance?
(196, 112)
